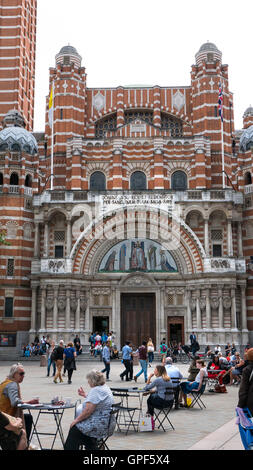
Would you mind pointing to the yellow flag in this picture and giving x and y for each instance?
(50, 108)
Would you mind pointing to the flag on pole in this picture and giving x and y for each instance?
(220, 102)
(51, 108)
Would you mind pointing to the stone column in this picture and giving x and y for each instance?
(198, 311)
(55, 309)
(114, 309)
(69, 238)
(87, 314)
(67, 316)
(188, 310)
(43, 309)
(37, 241)
(208, 310)
(239, 239)
(229, 237)
(206, 237)
(233, 310)
(34, 308)
(77, 315)
(243, 308)
(46, 244)
(162, 312)
(221, 313)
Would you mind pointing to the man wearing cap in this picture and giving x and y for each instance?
(175, 375)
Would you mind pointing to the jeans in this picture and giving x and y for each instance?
(106, 369)
(150, 357)
(76, 439)
(49, 363)
(143, 370)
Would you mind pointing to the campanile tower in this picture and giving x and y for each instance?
(17, 58)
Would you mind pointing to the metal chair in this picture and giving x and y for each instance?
(101, 443)
(161, 415)
(196, 396)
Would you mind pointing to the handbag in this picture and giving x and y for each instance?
(146, 423)
(220, 388)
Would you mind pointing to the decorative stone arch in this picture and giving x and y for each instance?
(135, 279)
(217, 208)
(89, 251)
(57, 210)
(143, 166)
(173, 166)
(103, 167)
(194, 208)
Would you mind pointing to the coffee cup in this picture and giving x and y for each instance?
(68, 401)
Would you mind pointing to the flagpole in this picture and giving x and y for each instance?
(52, 144)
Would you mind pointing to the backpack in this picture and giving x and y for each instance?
(164, 348)
(54, 355)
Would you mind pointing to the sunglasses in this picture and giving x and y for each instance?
(21, 373)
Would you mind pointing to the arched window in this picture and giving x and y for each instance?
(179, 181)
(248, 178)
(138, 181)
(15, 148)
(97, 181)
(28, 181)
(1, 179)
(14, 180)
(3, 147)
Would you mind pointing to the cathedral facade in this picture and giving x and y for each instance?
(131, 212)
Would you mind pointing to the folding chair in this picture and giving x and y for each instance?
(101, 443)
(162, 415)
(196, 396)
(125, 418)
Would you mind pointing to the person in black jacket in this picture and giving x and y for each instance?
(246, 386)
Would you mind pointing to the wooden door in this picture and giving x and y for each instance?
(176, 329)
(138, 318)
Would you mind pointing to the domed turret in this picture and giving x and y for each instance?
(14, 137)
(246, 140)
(68, 55)
(208, 52)
(248, 117)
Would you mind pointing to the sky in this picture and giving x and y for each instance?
(145, 42)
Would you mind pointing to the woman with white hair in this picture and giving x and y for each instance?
(93, 416)
(10, 396)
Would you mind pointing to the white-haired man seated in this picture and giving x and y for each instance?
(175, 375)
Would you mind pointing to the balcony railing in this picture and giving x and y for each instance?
(248, 189)
(14, 189)
(178, 196)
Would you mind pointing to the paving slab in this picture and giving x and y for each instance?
(213, 427)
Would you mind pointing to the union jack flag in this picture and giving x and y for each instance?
(220, 102)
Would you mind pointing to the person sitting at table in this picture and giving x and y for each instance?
(12, 434)
(196, 386)
(193, 370)
(163, 396)
(212, 367)
(175, 375)
(10, 396)
(93, 415)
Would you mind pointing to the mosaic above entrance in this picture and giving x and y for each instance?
(138, 255)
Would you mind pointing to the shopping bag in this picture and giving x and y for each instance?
(146, 423)
(189, 401)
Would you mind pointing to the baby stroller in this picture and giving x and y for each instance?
(244, 420)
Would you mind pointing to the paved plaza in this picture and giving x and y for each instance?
(210, 428)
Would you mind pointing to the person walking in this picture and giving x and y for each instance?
(163, 350)
(58, 357)
(106, 356)
(143, 361)
(69, 355)
(126, 358)
(50, 361)
(150, 349)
